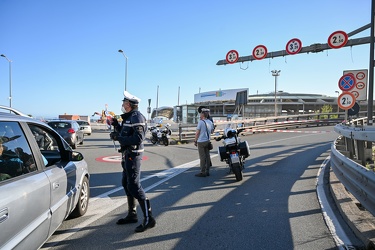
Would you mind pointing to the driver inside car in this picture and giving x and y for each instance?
(10, 164)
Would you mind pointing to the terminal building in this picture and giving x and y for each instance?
(225, 104)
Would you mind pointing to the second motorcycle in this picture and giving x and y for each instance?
(160, 135)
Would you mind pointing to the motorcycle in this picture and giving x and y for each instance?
(160, 136)
(234, 152)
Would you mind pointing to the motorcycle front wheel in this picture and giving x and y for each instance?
(236, 168)
(153, 141)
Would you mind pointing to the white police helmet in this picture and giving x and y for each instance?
(131, 98)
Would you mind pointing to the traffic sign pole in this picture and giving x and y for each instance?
(371, 69)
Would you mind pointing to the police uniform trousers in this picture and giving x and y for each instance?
(131, 174)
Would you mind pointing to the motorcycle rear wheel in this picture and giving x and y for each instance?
(236, 168)
(165, 141)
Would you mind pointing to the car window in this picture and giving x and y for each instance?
(47, 143)
(44, 138)
(83, 123)
(58, 125)
(15, 154)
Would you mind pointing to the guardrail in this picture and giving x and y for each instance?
(186, 132)
(352, 162)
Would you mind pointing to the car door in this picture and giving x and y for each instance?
(62, 176)
(24, 191)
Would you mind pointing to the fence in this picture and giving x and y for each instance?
(186, 132)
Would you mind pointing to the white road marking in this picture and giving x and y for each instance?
(337, 232)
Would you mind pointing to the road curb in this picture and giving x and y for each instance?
(359, 220)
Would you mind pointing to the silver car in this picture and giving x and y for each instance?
(42, 182)
(85, 127)
(69, 130)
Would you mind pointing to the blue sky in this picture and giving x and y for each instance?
(65, 55)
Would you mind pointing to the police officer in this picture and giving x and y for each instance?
(130, 134)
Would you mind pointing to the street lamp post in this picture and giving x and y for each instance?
(126, 65)
(275, 73)
(10, 79)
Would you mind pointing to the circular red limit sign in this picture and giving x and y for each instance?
(232, 56)
(360, 85)
(260, 52)
(355, 93)
(337, 39)
(293, 46)
(346, 100)
(360, 75)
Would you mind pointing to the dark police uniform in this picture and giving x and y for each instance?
(131, 134)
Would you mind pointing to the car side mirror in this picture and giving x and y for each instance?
(76, 156)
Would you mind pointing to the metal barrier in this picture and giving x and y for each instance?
(350, 154)
(269, 124)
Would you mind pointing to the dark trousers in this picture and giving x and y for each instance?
(131, 175)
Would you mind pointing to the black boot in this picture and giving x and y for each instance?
(132, 213)
(148, 221)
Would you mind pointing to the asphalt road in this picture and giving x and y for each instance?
(275, 206)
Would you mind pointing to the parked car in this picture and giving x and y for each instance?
(42, 182)
(85, 127)
(69, 130)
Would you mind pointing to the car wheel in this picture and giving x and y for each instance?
(83, 199)
(74, 145)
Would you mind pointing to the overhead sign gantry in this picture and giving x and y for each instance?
(336, 40)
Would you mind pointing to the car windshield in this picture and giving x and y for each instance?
(82, 123)
(57, 125)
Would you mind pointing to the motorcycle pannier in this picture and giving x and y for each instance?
(222, 152)
(244, 149)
